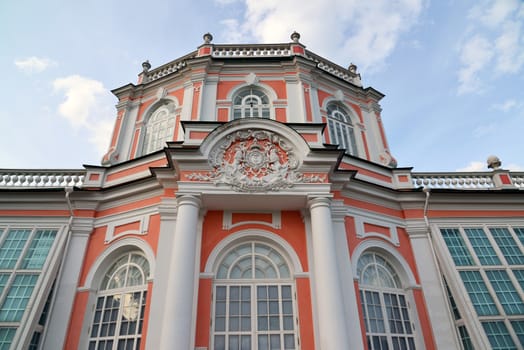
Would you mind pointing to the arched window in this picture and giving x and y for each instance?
(341, 130)
(254, 300)
(251, 102)
(159, 128)
(384, 305)
(120, 303)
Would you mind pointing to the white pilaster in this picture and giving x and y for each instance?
(329, 303)
(66, 286)
(439, 311)
(178, 321)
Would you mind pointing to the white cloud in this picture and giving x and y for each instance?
(493, 13)
(34, 64)
(474, 166)
(475, 56)
(495, 45)
(483, 166)
(366, 32)
(506, 105)
(87, 105)
(483, 130)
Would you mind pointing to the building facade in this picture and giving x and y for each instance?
(249, 200)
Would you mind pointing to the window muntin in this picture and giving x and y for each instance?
(518, 327)
(119, 312)
(456, 246)
(384, 305)
(23, 254)
(254, 300)
(159, 129)
(507, 245)
(251, 102)
(341, 129)
(494, 286)
(465, 338)
(480, 243)
(506, 293)
(498, 335)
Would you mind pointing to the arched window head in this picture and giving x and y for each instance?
(375, 271)
(384, 305)
(159, 129)
(341, 129)
(120, 304)
(251, 102)
(253, 300)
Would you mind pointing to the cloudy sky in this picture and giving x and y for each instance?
(452, 70)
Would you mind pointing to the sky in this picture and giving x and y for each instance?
(452, 70)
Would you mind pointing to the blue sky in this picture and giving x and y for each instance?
(452, 71)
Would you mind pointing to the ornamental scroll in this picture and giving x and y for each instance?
(254, 161)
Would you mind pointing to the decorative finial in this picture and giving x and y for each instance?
(352, 68)
(208, 38)
(494, 162)
(146, 66)
(295, 37)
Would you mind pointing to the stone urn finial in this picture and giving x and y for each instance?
(208, 38)
(494, 162)
(295, 36)
(146, 66)
(352, 68)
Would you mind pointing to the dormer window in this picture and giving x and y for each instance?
(341, 129)
(251, 102)
(159, 129)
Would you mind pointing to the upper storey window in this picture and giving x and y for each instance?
(341, 129)
(251, 102)
(159, 128)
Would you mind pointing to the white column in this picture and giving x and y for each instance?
(178, 310)
(329, 303)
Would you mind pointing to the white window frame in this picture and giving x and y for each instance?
(397, 291)
(158, 130)
(341, 128)
(250, 110)
(253, 284)
(104, 293)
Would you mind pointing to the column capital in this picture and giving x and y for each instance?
(319, 200)
(189, 199)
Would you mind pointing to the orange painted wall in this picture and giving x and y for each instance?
(305, 314)
(205, 290)
(77, 318)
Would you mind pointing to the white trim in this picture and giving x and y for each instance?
(264, 236)
(106, 258)
(227, 223)
(395, 259)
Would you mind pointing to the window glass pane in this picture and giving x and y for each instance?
(159, 129)
(464, 337)
(12, 247)
(506, 293)
(457, 248)
(251, 102)
(16, 300)
(341, 130)
(39, 249)
(498, 335)
(374, 270)
(519, 275)
(519, 231)
(507, 245)
(518, 327)
(3, 280)
(480, 243)
(478, 293)
(6, 337)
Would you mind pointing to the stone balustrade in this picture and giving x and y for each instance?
(276, 50)
(20, 178)
(462, 181)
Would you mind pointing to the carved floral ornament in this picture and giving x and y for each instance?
(254, 160)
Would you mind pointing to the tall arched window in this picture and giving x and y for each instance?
(251, 102)
(384, 305)
(119, 310)
(254, 300)
(159, 129)
(341, 130)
